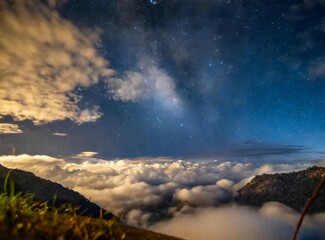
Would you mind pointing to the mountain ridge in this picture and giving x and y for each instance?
(52, 192)
(45, 191)
(292, 189)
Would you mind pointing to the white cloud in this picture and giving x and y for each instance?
(9, 128)
(137, 218)
(154, 187)
(271, 221)
(43, 59)
(132, 86)
(149, 83)
(136, 190)
(60, 134)
(86, 154)
(201, 195)
(35, 164)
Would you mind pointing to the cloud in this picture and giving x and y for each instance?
(151, 82)
(145, 190)
(23, 161)
(87, 154)
(137, 218)
(60, 134)
(43, 59)
(201, 195)
(132, 86)
(271, 221)
(259, 150)
(9, 128)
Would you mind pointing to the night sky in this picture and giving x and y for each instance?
(175, 78)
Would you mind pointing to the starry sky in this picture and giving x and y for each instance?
(175, 78)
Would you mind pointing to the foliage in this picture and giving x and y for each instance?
(45, 191)
(21, 217)
(27, 216)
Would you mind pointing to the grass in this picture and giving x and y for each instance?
(21, 217)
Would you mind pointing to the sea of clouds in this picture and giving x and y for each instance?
(189, 199)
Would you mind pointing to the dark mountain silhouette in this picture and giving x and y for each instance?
(291, 189)
(45, 190)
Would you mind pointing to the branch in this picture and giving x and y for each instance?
(307, 205)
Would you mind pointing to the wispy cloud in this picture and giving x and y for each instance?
(260, 149)
(43, 59)
(9, 128)
(60, 134)
(149, 82)
(86, 154)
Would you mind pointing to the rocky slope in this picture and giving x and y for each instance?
(291, 189)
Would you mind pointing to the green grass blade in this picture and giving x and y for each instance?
(5, 184)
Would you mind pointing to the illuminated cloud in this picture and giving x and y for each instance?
(9, 128)
(60, 134)
(201, 195)
(145, 190)
(149, 83)
(43, 59)
(25, 161)
(87, 154)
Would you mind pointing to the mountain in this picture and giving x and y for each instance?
(291, 189)
(45, 190)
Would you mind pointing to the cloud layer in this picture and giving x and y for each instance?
(145, 191)
(160, 187)
(272, 221)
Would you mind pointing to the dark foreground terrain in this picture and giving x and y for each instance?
(45, 190)
(28, 211)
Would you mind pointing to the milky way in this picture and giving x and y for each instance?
(136, 78)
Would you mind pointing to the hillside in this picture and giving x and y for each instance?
(45, 190)
(291, 189)
(23, 216)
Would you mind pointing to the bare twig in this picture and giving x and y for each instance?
(307, 205)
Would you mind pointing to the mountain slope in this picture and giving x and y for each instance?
(45, 190)
(291, 189)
